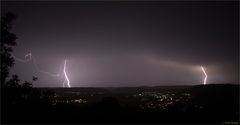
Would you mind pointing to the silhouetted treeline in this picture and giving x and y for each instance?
(7, 42)
(16, 96)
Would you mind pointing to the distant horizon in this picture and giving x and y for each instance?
(143, 86)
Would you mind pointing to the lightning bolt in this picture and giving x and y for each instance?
(45, 72)
(29, 57)
(205, 79)
(23, 60)
(65, 74)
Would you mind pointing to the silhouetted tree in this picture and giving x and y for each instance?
(17, 97)
(7, 42)
(13, 82)
(27, 84)
(34, 78)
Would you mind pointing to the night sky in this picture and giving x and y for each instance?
(127, 43)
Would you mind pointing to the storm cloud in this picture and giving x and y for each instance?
(128, 43)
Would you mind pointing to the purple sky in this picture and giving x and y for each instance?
(127, 43)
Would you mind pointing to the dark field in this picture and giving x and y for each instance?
(215, 103)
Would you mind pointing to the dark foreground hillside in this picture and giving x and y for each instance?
(177, 104)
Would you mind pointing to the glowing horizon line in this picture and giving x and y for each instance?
(205, 79)
(64, 70)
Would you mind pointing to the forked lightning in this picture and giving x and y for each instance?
(205, 79)
(29, 57)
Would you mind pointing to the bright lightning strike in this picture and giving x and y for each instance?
(205, 79)
(29, 57)
(64, 70)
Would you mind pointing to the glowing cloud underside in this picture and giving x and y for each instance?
(205, 79)
(64, 70)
